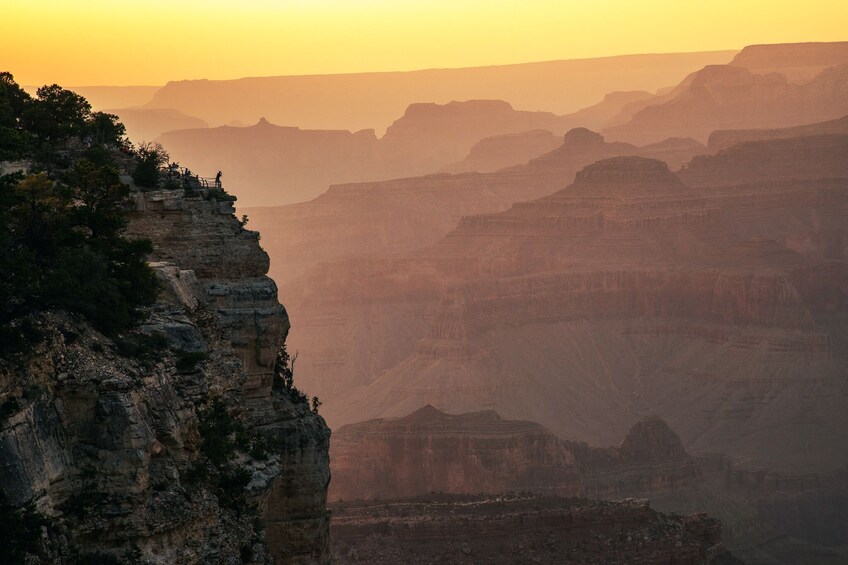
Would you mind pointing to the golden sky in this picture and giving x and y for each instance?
(123, 42)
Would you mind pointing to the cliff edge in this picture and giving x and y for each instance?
(179, 442)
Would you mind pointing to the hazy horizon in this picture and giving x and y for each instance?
(101, 43)
(565, 282)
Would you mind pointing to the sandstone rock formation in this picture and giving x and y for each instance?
(614, 106)
(111, 444)
(431, 451)
(523, 529)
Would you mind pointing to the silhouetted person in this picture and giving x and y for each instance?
(218, 180)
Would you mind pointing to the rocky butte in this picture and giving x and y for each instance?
(480, 452)
(112, 444)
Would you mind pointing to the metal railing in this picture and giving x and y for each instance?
(172, 177)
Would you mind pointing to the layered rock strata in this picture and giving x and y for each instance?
(108, 441)
(627, 293)
(364, 220)
(431, 451)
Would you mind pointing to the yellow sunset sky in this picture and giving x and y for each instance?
(133, 42)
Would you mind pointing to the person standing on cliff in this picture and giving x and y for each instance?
(218, 180)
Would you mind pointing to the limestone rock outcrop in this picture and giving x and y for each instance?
(107, 436)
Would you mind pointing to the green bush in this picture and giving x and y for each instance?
(218, 431)
(283, 379)
(62, 248)
(150, 157)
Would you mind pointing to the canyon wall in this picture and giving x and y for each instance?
(106, 436)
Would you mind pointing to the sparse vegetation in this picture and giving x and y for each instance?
(218, 431)
(221, 437)
(150, 157)
(283, 380)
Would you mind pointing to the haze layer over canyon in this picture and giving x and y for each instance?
(698, 278)
(580, 311)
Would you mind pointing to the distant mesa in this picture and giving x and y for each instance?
(798, 62)
(630, 175)
(398, 215)
(433, 451)
(582, 137)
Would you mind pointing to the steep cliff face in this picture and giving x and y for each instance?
(205, 237)
(480, 452)
(108, 442)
